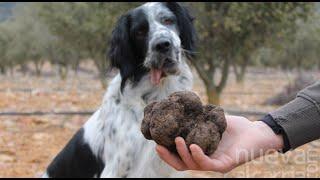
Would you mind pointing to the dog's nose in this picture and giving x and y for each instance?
(163, 46)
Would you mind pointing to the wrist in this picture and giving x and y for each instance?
(271, 140)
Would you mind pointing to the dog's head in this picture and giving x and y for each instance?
(151, 39)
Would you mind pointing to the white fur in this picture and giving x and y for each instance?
(127, 153)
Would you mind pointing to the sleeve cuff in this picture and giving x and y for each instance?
(277, 129)
(299, 120)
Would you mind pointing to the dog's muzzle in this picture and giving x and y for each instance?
(162, 53)
(164, 59)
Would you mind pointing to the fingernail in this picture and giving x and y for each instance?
(178, 139)
(193, 147)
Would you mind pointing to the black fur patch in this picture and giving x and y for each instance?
(76, 160)
(128, 47)
(188, 34)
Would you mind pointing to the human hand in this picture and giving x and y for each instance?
(242, 141)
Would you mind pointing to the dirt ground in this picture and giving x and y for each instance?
(29, 143)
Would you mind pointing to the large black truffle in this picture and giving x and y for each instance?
(183, 114)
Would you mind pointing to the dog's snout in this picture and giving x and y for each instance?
(162, 46)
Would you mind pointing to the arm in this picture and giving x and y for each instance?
(298, 123)
(300, 119)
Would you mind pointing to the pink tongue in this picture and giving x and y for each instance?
(155, 76)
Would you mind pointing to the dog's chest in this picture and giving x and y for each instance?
(126, 152)
(124, 140)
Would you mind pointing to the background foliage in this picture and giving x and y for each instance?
(232, 36)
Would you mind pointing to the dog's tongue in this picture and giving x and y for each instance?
(155, 76)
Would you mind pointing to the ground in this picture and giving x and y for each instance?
(29, 143)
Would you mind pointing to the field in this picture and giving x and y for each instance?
(29, 142)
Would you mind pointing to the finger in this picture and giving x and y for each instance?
(208, 164)
(203, 161)
(184, 153)
(170, 159)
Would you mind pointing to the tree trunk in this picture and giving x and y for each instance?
(240, 76)
(103, 80)
(102, 76)
(213, 96)
(38, 68)
(11, 71)
(101, 65)
(24, 68)
(2, 70)
(224, 75)
(63, 71)
(75, 66)
(236, 72)
(76, 69)
(241, 71)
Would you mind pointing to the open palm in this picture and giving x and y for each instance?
(242, 141)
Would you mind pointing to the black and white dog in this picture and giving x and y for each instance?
(150, 46)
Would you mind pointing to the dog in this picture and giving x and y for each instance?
(150, 46)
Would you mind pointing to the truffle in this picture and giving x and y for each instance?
(182, 114)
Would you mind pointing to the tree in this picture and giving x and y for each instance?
(84, 27)
(229, 35)
(233, 32)
(302, 50)
(299, 50)
(26, 38)
(4, 40)
(7, 57)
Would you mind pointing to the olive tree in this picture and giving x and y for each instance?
(230, 32)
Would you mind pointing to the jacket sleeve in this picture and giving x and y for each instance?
(300, 118)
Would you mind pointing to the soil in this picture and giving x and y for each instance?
(29, 143)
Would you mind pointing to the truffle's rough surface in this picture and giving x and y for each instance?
(182, 114)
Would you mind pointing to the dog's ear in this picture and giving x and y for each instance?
(120, 51)
(187, 30)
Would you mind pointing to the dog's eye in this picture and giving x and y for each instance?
(168, 21)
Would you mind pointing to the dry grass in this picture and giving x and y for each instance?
(28, 143)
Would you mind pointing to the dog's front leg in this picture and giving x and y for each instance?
(80, 157)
